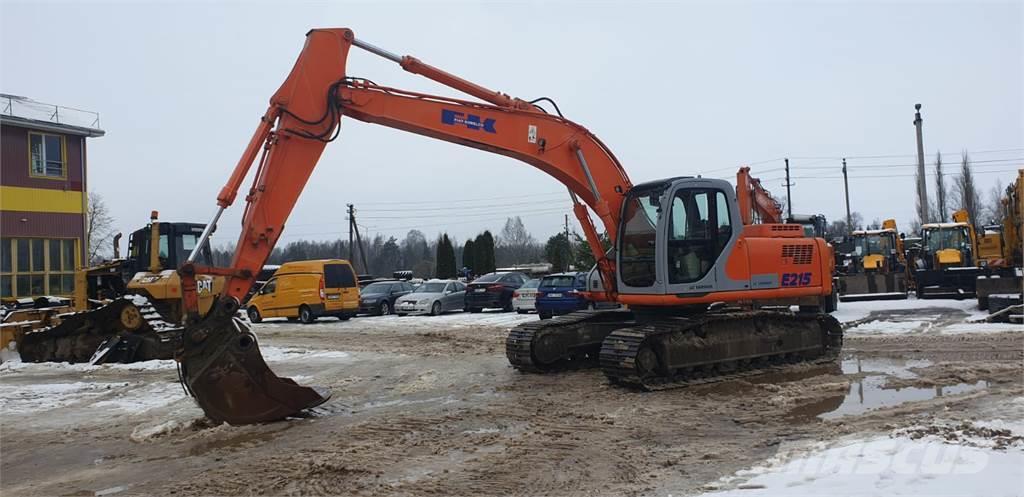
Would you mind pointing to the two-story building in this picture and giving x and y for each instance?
(43, 196)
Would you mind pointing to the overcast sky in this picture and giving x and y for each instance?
(672, 88)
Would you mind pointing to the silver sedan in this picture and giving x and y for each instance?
(433, 297)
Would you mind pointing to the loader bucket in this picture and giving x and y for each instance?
(221, 366)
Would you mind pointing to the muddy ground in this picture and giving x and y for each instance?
(429, 406)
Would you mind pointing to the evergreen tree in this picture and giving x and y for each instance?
(484, 246)
(445, 258)
(558, 252)
(469, 255)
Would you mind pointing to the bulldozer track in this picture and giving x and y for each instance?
(528, 341)
(630, 358)
(80, 334)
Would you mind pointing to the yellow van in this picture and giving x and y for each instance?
(306, 290)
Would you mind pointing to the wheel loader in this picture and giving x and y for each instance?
(1003, 275)
(125, 309)
(878, 269)
(947, 265)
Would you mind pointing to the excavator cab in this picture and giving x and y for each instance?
(673, 234)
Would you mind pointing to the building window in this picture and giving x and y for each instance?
(32, 267)
(46, 155)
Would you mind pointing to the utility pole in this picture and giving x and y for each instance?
(351, 211)
(789, 194)
(353, 227)
(568, 244)
(846, 188)
(922, 186)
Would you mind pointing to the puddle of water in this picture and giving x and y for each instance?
(867, 390)
(868, 394)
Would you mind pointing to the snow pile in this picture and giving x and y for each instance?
(31, 398)
(897, 465)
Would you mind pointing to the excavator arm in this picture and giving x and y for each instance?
(221, 363)
(756, 204)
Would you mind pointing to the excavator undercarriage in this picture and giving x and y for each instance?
(652, 351)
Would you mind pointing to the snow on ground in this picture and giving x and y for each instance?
(280, 354)
(855, 311)
(24, 399)
(491, 319)
(888, 327)
(140, 400)
(883, 465)
(13, 362)
(954, 329)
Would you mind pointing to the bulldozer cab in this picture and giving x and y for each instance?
(176, 243)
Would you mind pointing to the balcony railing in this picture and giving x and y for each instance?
(26, 108)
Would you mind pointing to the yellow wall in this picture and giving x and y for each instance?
(17, 198)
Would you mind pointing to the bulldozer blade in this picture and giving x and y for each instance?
(222, 368)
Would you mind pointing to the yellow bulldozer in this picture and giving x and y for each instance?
(878, 270)
(123, 310)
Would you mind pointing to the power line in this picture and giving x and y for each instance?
(483, 199)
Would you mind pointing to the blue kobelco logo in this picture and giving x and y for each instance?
(451, 118)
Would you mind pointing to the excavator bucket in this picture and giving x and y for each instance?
(222, 368)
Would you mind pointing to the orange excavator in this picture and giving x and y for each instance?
(684, 259)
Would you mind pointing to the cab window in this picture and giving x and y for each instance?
(338, 276)
(638, 233)
(699, 230)
(269, 287)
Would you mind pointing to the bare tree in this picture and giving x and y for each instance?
(940, 190)
(965, 194)
(993, 208)
(516, 244)
(100, 228)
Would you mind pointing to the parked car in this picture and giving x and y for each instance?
(378, 298)
(433, 297)
(306, 290)
(524, 299)
(559, 294)
(493, 290)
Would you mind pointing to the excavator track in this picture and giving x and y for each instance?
(564, 343)
(126, 329)
(679, 352)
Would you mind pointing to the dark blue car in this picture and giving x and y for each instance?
(559, 294)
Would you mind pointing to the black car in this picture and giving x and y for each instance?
(378, 298)
(493, 290)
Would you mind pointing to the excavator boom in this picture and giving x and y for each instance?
(220, 355)
(698, 253)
